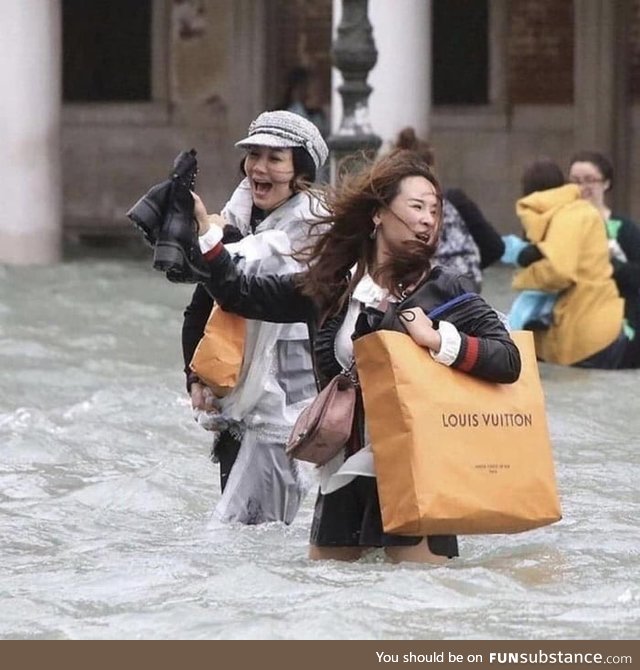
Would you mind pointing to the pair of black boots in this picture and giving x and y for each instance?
(165, 217)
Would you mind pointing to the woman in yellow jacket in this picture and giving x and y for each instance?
(566, 253)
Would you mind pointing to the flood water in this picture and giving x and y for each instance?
(106, 493)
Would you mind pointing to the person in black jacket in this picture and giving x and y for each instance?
(488, 239)
(374, 260)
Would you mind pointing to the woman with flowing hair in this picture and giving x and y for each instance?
(375, 259)
(468, 242)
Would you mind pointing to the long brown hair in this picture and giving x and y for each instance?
(349, 241)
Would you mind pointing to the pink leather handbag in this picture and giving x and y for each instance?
(324, 427)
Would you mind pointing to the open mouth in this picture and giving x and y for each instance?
(262, 188)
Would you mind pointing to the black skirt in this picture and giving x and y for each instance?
(351, 517)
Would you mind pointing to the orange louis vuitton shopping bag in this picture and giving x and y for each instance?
(454, 454)
(218, 357)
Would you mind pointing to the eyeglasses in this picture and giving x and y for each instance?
(587, 181)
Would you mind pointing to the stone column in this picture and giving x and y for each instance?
(601, 119)
(30, 172)
(401, 79)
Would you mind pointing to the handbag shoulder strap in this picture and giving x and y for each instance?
(351, 372)
(436, 312)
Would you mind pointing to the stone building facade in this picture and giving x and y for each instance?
(492, 83)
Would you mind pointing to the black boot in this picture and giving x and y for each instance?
(149, 212)
(185, 169)
(177, 251)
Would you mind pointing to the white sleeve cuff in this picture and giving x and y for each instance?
(210, 239)
(449, 345)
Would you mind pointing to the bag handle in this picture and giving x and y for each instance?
(389, 319)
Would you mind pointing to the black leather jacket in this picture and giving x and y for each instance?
(486, 351)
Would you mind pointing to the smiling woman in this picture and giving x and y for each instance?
(593, 173)
(270, 213)
(270, 173)
(276, 174)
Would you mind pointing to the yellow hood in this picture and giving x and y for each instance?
(587, 316)
(537, 209)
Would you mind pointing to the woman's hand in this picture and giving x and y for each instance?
(205, 221)
(200, 214)
(421, 329)
(202, 397)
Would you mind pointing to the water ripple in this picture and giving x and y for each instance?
(106, 498)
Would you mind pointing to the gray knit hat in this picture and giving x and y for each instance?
(284, 129)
